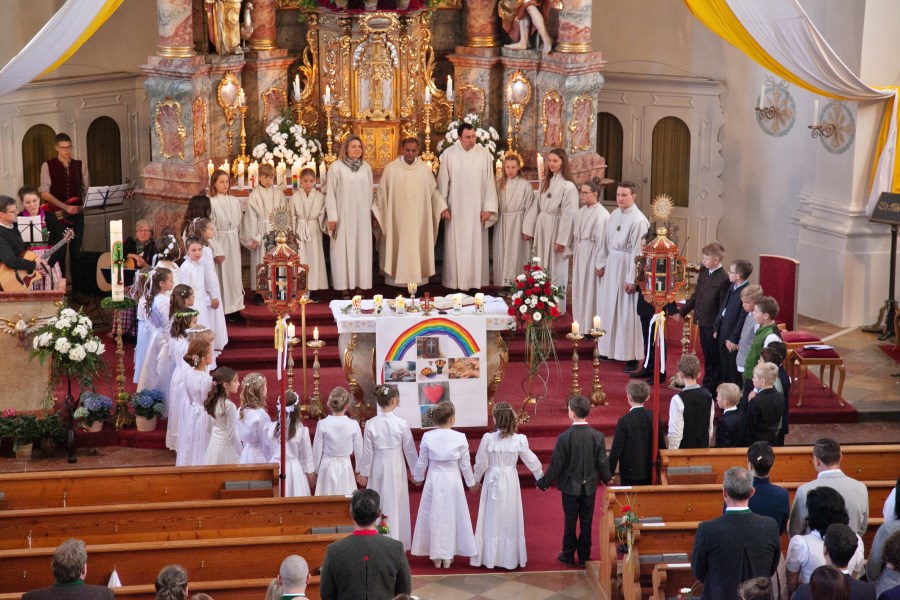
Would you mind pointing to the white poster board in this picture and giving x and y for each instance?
(431, 360)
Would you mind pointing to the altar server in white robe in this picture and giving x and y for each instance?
(466, 181)
(348, 204)
(226, 216)
(308, 207)
(500, 533)
(386, 442)
(551, 219)
(443, 526)
(615, 266)
(512, 249)
(408, 208)
(590, 227)
(265, 198)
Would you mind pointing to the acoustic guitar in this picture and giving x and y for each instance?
(20, 280)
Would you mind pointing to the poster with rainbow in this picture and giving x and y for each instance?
(432, 359)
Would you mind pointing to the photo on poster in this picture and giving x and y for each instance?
(428, 347)
(396, 371)
(432, 370)
(432, 393)
(465, 368)
(425, 414)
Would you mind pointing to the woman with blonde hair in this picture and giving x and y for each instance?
(348, 206)
(337, 437)
(254, 420)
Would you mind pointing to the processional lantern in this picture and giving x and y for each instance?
(663, 265)
(282, 279)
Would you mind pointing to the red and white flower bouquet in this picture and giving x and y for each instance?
(535, 305)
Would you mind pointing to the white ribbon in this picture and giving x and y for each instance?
(657, 328)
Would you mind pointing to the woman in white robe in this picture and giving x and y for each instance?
(511, 250)
(590, 227)
(550, 220)
(348, 204)
(226, 216)
(500, 533)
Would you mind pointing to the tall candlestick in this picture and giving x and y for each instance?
(117, 255)
(427, 95)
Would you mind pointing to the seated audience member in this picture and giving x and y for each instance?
(141, 247)
(69, 564)
(632, 447)
(293, 577)
(274, 590)
(827, 583)
(387, 569)
(731, 430)
(172, 583)
(775, 353)
(806, 552)
(889, 576)
(768, 499)
(890, 504)
(827, 462)
(765, 405)
(876, 554)
(692, 410)
(758, 588)
(841, 544)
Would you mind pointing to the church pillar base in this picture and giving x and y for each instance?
(265, 81)
(479, 84)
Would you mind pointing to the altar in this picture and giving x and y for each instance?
(409, 350)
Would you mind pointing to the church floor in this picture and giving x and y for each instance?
(548, 585)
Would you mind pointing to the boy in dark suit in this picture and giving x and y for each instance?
(731, 429)
(765, 405)
(632, 447)
(578, 462)
(730, 321)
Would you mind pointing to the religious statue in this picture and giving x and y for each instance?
(223, 19)
(519, 16)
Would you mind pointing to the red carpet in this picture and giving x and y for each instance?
(891, 351)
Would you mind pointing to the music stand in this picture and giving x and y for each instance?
(30, 228)
(103, 196)
(887, 211)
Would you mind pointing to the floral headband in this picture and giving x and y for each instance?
(253, 380)
(186, 314)
(198, 329)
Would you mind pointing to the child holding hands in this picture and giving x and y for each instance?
(337, 437)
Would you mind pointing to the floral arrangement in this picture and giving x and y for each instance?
(287, 141)
(148, 403)
(625, 524)
(69, 342)
(535, 304)
(486, 137)
(94, 407)
(20, 428)
(383, 527)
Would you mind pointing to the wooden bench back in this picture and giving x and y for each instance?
(233, 589)
(94, 487)
(156, 522)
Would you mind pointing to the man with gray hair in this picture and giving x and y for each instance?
(737, 546)
(293, 577)
(69, 566)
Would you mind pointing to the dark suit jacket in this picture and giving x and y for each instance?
(731, 430)
(11, 246)
(859, 590)
(358, 567)
(732, 549)
(770, 500)
(632, 447)
(728, 326)
(707, 298)
(71, 592)
(578, 458)
(764, 415)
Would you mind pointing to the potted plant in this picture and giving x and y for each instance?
(52, 431)
(93, 410)
(21, 429)
(74, 351)
(148, 405)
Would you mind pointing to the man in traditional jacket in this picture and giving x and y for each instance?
(466, 181)
(617, 294)
(408, 209)
(64, 182)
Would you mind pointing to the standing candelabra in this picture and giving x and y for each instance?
(575, 389)
(598, 396)
(428, 156)
(242, 157)
(329, 135)
(123, 417)
(316, 410)
(291, 343)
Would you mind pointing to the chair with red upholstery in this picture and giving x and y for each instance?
(807, 357)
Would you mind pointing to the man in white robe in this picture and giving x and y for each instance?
(408, 209)
(617, 294)
(466, 180)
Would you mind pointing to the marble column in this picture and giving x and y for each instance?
(482, 22)
(176, 34)
(574, 27)
(263, 18)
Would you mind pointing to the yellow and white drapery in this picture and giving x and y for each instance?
(779, 36)
(59, 39)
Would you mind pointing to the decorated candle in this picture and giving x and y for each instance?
(576, 328)
(210, 167)
(357, 301)
(596, 322)
(279, 173)
(378, 298)
(242, 99)
(240, 171)
(449, 88)
(296, 88)
(498, 167)
(327, 96)
(117, 255)
(540, 166)
(457, 300)
(225, 166)
(479, 299)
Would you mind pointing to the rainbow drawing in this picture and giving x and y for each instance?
(458, 334)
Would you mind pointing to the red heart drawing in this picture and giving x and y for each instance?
(434, 393)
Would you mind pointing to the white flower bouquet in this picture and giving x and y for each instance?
(73, 349)
(287, 141)
(489, 138)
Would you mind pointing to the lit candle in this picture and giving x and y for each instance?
(296, 88)
(279, 173)
(118, 254)
(322, 172)
(315, 333)
(291, 330)
(575, 328)
(240, 171)
(479, 299)
(457, 300)
(449, 88)
(210, 168)
(596, 322)
(242, 99)
(499, 168)
(327, 96)
(540, 166)
(427, 95)
(816, 112)
(762, 96)
(400, 302)
(357, 301)
(378, 299)
(224, 166)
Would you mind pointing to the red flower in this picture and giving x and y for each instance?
(531, 281)
(539, 305)
(517, 301)
(554, 312)
(537, 268)
(520, 285)
(529, 292)
(511, 311)
(626, 508)
(527, 268)
(547, 290)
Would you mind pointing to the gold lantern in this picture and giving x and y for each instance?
(663, 266)
(282, 279)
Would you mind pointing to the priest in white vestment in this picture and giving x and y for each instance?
(264, 199)
(590, 228)
(618, 292)
(408, 208)
(466, 180)
(226, 215)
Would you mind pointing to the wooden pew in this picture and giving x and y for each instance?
(233, 589)
(169, 521)
(93, 487)
(139, 563)
(792, 463)
(668, 579)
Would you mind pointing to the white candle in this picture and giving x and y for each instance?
(291, 330)
(596, 322)
(499, 168)
(427, 95)
(315, 333)
(279, 173)
(224, 166)
(479, 299)
(762, 96)
(322, 172)
(509, 94)
(449, 88)
(116, 250)
(327, 96)
(575, 328)
(540, 166)
(296, 88)
(210, 168)
(378, 299)
(242, 99)
(457, 299)
(816, 112)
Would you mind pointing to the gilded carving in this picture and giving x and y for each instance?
(471, 100)
(199, 120)
(169, 129)
(582, 122)
(551, 119)
(274, 101)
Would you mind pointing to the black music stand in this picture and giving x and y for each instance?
(887, 211)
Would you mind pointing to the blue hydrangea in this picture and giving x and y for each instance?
(95, 402)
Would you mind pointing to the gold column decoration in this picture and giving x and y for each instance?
(428, 156)
(315, 409)
(227, 96)
(573, 47)
(575, 388)
(305, 112)
(497, 379)
(582, 122)
(518, 95)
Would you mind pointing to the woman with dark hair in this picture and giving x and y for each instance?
(768, 499)
(827, 583)
(877, 555)
(889, 556)
(806, 552)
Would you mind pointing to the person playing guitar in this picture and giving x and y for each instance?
(11, 244)
(45, 233)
